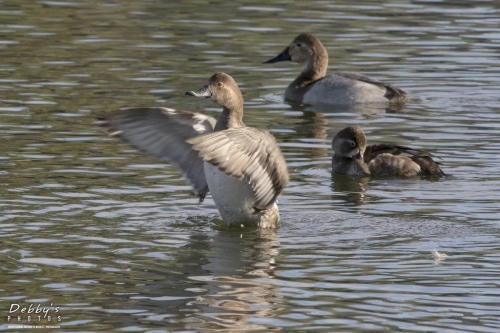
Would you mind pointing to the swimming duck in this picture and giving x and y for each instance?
(242, 166)
(313, 86)
(352, 157)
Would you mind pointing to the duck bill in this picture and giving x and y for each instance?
(283, 56)
(203, 92)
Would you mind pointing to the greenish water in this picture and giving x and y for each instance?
(117, 241)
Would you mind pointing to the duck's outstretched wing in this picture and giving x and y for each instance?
(250, 154)
(422, 158)
(162, 133)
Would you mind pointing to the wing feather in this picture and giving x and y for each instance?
(162, 133)
(249, 154)
(422, 158)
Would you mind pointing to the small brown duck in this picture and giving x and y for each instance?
(353, 157)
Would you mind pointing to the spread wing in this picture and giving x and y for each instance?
(421, 157)
(250, 154)
(392, 92)
(162, 133)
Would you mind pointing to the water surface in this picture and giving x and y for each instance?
(117, 240)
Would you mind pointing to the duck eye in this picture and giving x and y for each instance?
(352, 143)
(299, 45)
(219, 84)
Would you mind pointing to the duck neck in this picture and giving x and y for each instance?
(313, 70)
(230, 118)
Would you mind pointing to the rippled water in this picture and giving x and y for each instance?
(116, 241)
